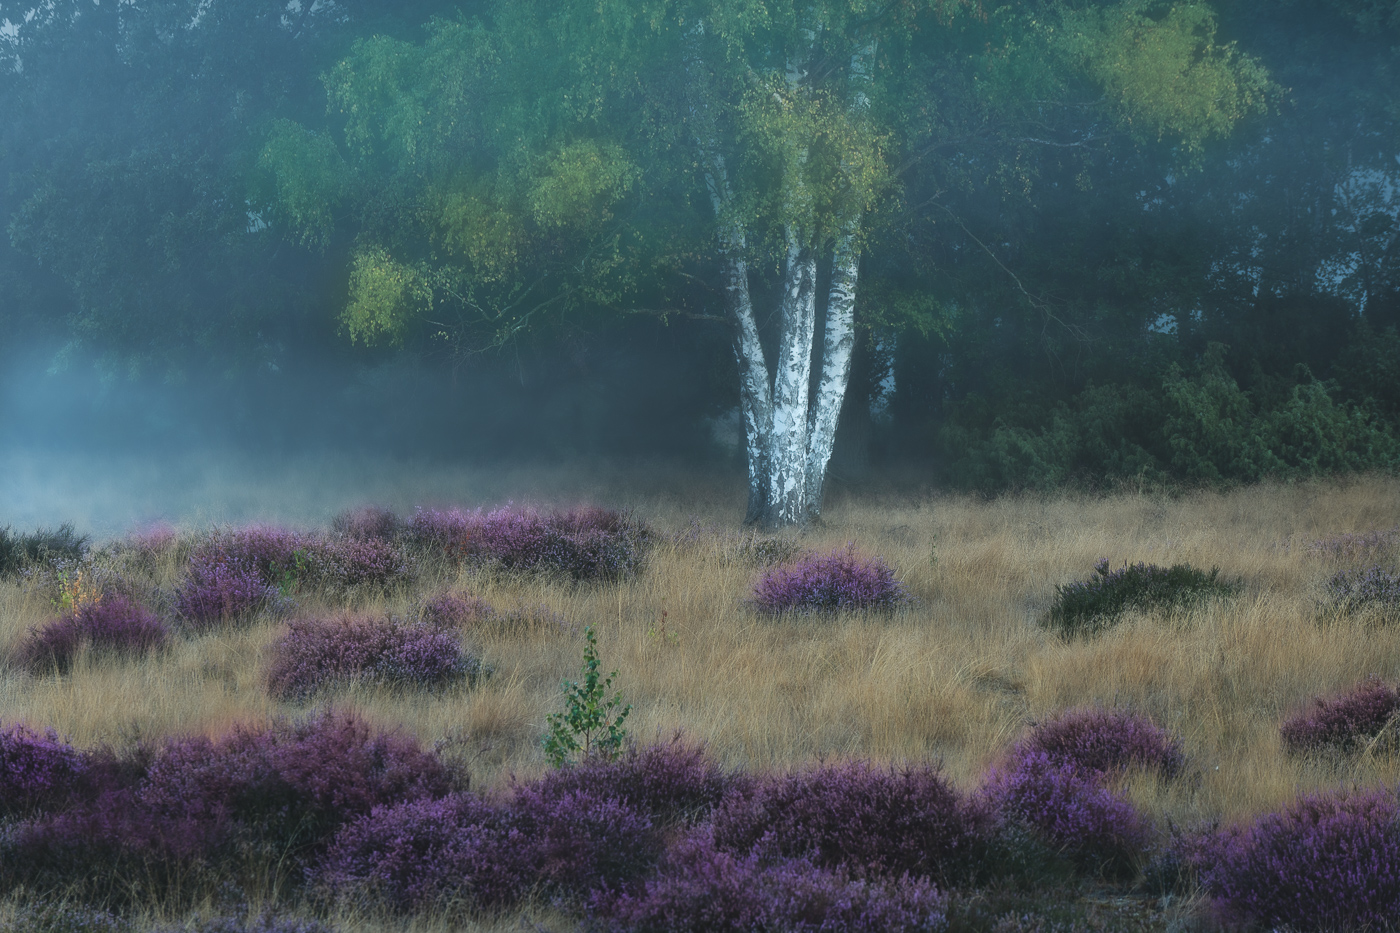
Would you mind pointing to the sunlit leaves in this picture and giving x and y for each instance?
(384, 294)
(1165, 71)
(578, 182)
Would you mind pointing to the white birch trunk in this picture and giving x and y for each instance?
(787, 440)
(838, 347)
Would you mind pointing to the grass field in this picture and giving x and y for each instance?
(955, 676)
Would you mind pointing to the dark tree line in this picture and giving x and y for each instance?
(1053, 293)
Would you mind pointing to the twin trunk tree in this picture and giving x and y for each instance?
(789, 430)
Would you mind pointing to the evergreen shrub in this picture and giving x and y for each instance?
(43, 545)
(1089, 605)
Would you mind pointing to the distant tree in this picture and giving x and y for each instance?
(563, 157)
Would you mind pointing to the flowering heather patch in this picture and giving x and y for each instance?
(842, 579)
(219, 588)
(1092, 604)
(1357, 545)
(454, 610)
(1104, 741)
(705, 889)
(368, 521)
(66, 918)
(1328, 862)
(583, 839)
(1067, 808)
(414, 855)
(316, 652)
(36, 770)
(266, 922)
(584, 544)
(1356, 715)
(115, 624)
(282, 791)
(860, 818)
(275, 553)
(671, 783)
(1373, 588)
(350, 562)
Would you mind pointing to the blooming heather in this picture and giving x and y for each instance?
(454, 610)
(114, 624)
(1329, 861)
(705, 889)
(864, 819)
(316, 652)
(36, 770)
(1103, 741)
(1337, 721)
(355, 562)
(219, 588)
(841, 579)
(1373, 588)
(1067, 808)
(368, 522)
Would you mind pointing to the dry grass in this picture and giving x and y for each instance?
(956, 677)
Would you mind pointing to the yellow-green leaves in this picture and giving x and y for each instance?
(578, 183)
(384, 294)
(309, 178)
(1165, 71)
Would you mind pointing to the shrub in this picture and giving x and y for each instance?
(1338, 721)
(42, 545)
(36, 770)
(219, 588)
(115, 624)
(1103, 741)
(586, 544)
(1373, 588)
(454, 610)
(66, 918)
(1092, 604)
(705, 889)
(1067, 808)
(672, 783)
(368, 521)
(591, 724)
(418, 854)
(316, 652)
(414, 855)
(1357, 545)
(857, 817)
(276, 794)
(266, 922)
(1327, 862)
(351, 561)
(842, 579)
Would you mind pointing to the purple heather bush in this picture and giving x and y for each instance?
(368, 521)
(113, 624)
(219, 588)
(1066, 808)
(672, 783)
(414, 855)
(1328, 862)
(455, 610)
(863, 819)
(281, 792)
(1373, 588)
(587, 544)
(36, 770)
(356, 562)
(841, 579)
(1338, 721)
(316, 652)
(266, 922)
(1357, 545)
(1104, 741)
(583, 839)
(705, 889)
(66, 918)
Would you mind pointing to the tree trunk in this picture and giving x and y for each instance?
(787, 438)
(837, 350)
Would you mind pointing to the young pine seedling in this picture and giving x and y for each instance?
(592, 722)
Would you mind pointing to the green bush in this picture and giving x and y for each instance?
(1089, 605)
(44, 545)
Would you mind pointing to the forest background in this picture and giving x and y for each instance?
(1054, 298)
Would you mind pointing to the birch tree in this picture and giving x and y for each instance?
(562, 156)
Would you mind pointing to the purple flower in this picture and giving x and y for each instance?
(36, 770)
(1374, 587)
(1336, 721)
(1330, 861)
(1104, 741)
(114, 623)
(454, 610)
(219, 587)
(841, 579)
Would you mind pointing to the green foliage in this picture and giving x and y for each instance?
(310, 179)
(1087, 606)
(43, 545)
(384, 294)
(591, 725)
